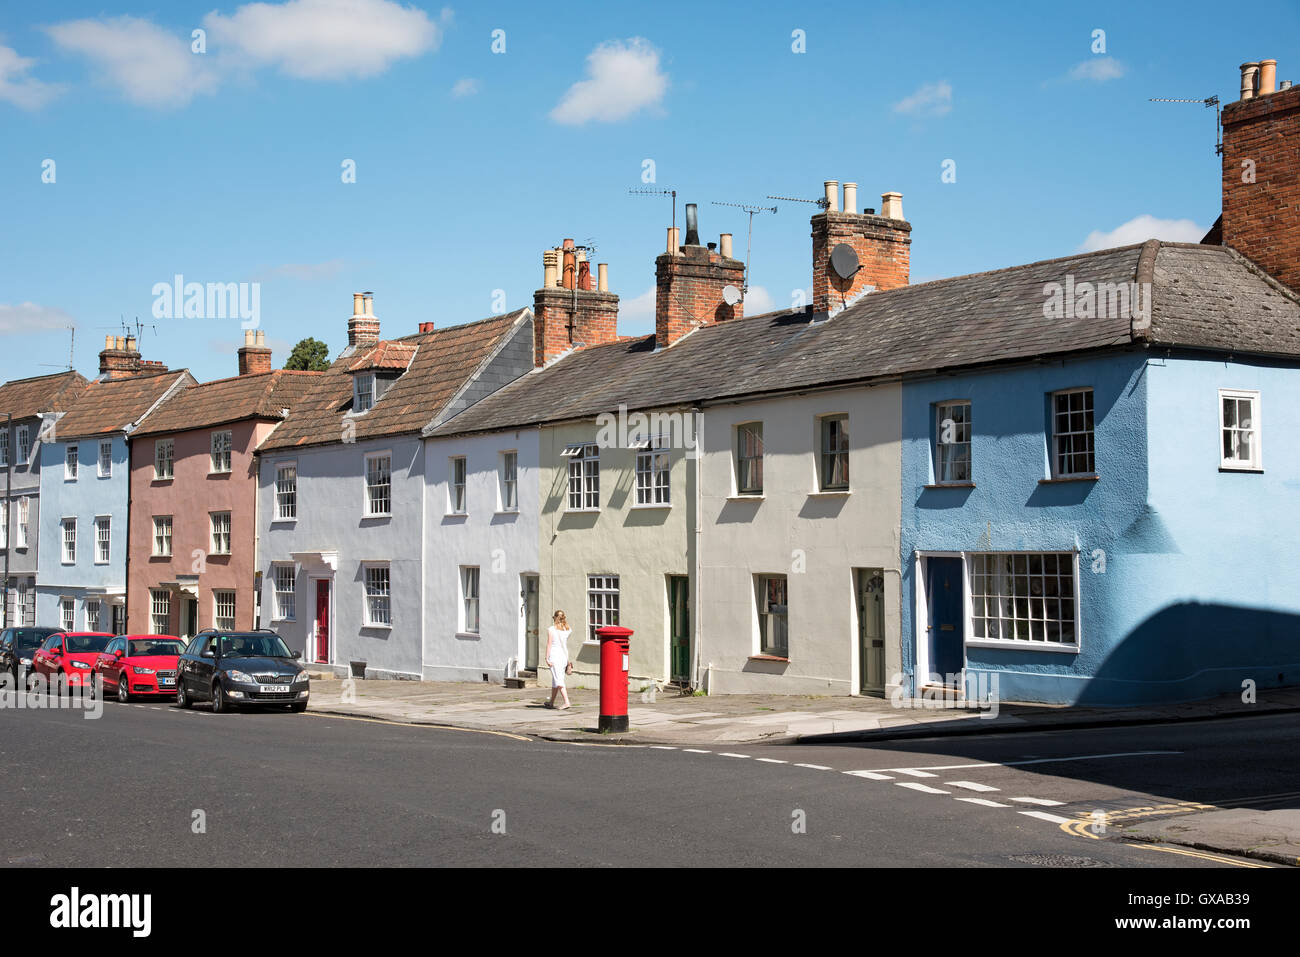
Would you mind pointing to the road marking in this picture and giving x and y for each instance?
(771, 760)
(970, 786)
(1012, 764)
(1201, 854)
(730, 754)
(870, 775)
(983, 802)
(1044, 816)
(696, 751)
(1044, 802)
(925, 788)
(662, 747)
(813, 767)
(411, 724)
(915, 773)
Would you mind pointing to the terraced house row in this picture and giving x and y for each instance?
(1055, 475)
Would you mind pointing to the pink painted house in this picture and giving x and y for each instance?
(192, 524)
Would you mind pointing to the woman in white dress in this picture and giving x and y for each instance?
(557, 657)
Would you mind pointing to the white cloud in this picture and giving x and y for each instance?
(638, 313)
(326, 39)
(758, 300)
(466, 86)
(1140, 229)
(147, 64)
(1099, 69)
(304, 271)
(25, 92)
(930, 98)
(27, 317)
(623, 76)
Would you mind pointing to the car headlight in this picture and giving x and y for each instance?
(302, 676)
(142, 671)
(242, 678)
(80, 664)
(25, 661)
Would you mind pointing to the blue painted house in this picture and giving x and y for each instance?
(85, 490)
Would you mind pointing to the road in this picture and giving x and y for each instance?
(131, 789)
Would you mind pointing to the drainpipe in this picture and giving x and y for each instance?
(695, 596)
(257, 537)
(9, 472)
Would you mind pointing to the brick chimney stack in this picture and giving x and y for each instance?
(690, 284)
(363, 327)
(254, 356)
(1261, 173)
(567, 312)
(882, 244)
(120, 358)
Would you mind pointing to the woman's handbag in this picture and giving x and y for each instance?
(568, 667)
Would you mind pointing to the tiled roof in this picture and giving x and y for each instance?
(384, 355)
(110, 405)
(24, 398)
(262, 395)
(1204, 297)
(444, 361)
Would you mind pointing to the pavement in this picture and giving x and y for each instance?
(1265, 834)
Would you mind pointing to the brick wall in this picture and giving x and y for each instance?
(1261, 220)
(884, 255)
(688, 291)
(565, 319)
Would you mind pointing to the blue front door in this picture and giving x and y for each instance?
(943, 583)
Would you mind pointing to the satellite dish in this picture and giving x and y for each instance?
(731, 295)
(844, 261)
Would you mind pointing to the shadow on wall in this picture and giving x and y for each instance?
(1181, 653)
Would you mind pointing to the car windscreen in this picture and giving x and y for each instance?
(145, 648)
(27, 639)
(80, 644)
(253, 646)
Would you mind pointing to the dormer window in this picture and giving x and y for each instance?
(363, 398)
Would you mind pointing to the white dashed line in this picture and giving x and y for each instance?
(814, 767)
(870, 775)
(729, 754)
(1041, 801)
(983, 802)
(696, 751)
(662, 747)
(925, 788)
(1044, 816)
(913, 772)
(771, 760)
(970, 786)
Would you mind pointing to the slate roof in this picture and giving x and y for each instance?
(1203, 297)
(24, 398)
(262, 395)
(444, 361)
(110, 405)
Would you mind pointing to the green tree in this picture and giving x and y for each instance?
(309, 355)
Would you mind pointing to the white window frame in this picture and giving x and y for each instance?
(103, 539)
(24, 444)
(24, 521)
(220, 597)
(283, 497)
(739, 458)
(160, 606)
(508, 487)
(71, 457)
(367, 499)
(603, 604)
(377, 595)
(944, 412)
(286, 599)
(824, 452)
(4, 531)
(470, 609)
(584, 477)
(106, 445)
(654, 475)
(164, 453)
(221, 454)
(68, 613)
(85, 613)
(972, 568)
(162, 533)
(4, 448)
(457, 487)
(1256, 431)
(364, 395)
(220, 546)
(1057, 435)
(65, 540)
(765, 616)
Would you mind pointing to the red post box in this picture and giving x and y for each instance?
(614, 646)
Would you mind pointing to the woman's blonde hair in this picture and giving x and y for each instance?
(560, 619)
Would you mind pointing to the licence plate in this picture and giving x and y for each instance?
(274, 689)
(166, 682)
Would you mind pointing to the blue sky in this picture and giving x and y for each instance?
(226, 166)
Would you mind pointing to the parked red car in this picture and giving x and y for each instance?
(139, 665)
(69, 653)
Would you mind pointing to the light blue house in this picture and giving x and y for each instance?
(85, 488)
(1099, 499)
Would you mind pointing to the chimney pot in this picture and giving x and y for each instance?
(673, 248)
(130, 343)
(1284, 85)
(832, 187)
(248, 337)
(850, 197)
(108, 342)
(550, 268)
(261, 339)
(891, 205)
(1249, 74)
(724, 244)
(602, 277)
(358, 304)
(1267, 76)
(370, 304)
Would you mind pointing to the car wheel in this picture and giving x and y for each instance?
(182, 699)
(218, 700)
(123, 690)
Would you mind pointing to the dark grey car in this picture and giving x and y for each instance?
(236, 669)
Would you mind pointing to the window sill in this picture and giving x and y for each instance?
(506, 511)
(1069, 478)
(650, 507)
(469, 635)
(581, 511)
(746, 497)
(212, 472)
(168, 478)
(377, 515)
(831, 493)
(951, 485)
(1248, 469)
(284, 521)
(1070, 649)
(375, 626)
(768, 658)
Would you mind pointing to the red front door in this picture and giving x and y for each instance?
(323, 621)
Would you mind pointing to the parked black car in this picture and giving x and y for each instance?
(233, 669)
(16, 647)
